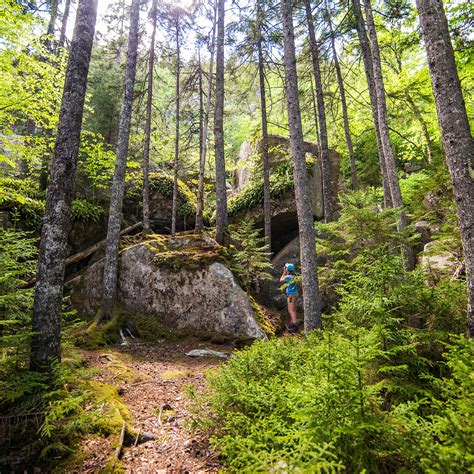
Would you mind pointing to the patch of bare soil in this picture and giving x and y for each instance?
(151, 379)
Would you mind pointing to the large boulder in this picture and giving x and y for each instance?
(180, 283)
(246, 201)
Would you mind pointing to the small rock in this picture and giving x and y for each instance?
(206, 353)
(147, 436)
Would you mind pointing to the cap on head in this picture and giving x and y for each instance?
(290, 267)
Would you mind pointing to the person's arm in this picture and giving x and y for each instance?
(285, 273)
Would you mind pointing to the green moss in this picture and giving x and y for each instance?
(281, 181)
(163, 183)
(263, 320)
(152, 330)
(101, 335)
(188, 251)
(175, 374)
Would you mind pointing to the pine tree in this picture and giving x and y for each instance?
(455, 131)
(45, 341)
(118, 184)
(311, 297)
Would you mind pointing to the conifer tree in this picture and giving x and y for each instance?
(221, 188)
(311, 296)
(45, 341)
(118, 184)
(455, 130)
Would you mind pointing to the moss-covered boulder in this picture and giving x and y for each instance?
(246, 200)
(161, 202)
(181, 284)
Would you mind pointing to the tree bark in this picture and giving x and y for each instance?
(118, 184)
(315, 114)
(342, 95)
(221, 191)
(46, 338)
(267, 213)
(369, 72)
(390, 164)
(146, 146)
(202, 158)
(62, 37)
(52, 22)
(176, 139)
(328, 195)
(455, 131)
(311, 297)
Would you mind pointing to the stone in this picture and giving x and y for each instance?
(426, 231)
(436, 260)
(207, 353)
(203, 299)
(283, 209)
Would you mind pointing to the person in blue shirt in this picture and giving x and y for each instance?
(292, 293)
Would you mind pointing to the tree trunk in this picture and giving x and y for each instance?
(455, 131)
(146, 145)
(328, 195)
(202, 158)
(52, 22)
(390, 164)
(424, 128)
(62, 37)
(118, 184)
(315, 114)
(342, 95)
(176, 139)
(311, 297)
(369, 72)
(267, 213)
(221, 191)
(46, 339)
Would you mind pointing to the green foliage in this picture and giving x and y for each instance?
(314, 405)
(85, 210)
(249, 255)
(163, 183)
(18, 263)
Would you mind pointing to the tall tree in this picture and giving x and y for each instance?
(390, 164)
(342, 95)
(146, 145)
(46, 338)
(455, 131)
(202, 158)
(118, 184)
(329, 204)
(311, 296)
(369, 72)
(177, 123)
(267, 215)
(62, 37)
(221, 191)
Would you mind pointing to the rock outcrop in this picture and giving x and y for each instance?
(180, 283)
(245, 205)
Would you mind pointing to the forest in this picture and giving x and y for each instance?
(236, 236)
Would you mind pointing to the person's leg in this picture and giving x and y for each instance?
(292, 309)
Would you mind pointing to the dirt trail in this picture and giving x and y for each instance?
(151, 379)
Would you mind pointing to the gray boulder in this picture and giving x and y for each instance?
(178, 283)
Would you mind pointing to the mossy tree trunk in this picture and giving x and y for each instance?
(455, 131)
(267, 213)
(177, 123)
(369, 73)
(202, 158)
(146, 145)
(311, 296)
(390, 164)
(46, 326)
(221, 191)
(118, 184)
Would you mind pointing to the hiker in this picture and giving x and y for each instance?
(292, 293)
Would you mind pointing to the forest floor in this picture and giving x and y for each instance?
(151, 379)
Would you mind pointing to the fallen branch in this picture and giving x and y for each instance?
(87, 252)
(120, 446)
